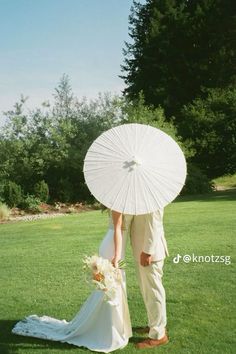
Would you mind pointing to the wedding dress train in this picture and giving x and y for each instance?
(100, 325)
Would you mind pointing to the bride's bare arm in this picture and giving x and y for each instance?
(117, 222)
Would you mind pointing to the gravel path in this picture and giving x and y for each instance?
(35, 217)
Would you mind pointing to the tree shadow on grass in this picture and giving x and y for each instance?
(227, 195)
(11, 343)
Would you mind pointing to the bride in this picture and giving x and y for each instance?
(99, 325)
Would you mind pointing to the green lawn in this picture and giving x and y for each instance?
(41, 273)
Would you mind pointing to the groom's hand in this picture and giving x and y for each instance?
(145, 259)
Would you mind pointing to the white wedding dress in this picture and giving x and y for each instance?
(100, 325)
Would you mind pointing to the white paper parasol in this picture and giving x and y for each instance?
(135, 169)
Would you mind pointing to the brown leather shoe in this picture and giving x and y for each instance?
(152, 343)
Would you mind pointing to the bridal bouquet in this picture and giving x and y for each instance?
(104, 275)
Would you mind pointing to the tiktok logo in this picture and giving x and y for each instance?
(177, 258)
(188, 258)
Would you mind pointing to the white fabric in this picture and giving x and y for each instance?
(99, 325)
(135, 169)
(147, 235)
(154, 297)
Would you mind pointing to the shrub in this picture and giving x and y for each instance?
(226, 181)
(196, 182)
(12, 194)
(138, 112)
(210, 125)
(31, 203)
(2, 184)
(41, 191)
(4, 211)
(98, 206)
(71, 210)
(65, 190)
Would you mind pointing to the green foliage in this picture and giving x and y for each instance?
(65, 190)
(178, 47)
(227, 181)
(137, 112)
(41, 191)
(51, 144)
(196, 182)
(210, 125)
(2, 184)
(63, 98)
(31, 203)
(4, 212)
(12, 194)
(180, 58)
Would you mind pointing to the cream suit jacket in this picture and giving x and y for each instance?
(147, 234)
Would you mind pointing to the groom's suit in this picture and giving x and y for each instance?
(147, 235)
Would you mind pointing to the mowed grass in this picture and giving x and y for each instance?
(41, 273)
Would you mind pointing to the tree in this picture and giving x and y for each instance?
(137, 112)
(51, 145)
(210, 125)
(63, 98)
(178, 47)
(34, 142)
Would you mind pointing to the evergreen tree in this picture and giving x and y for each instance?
(210, 124)
(63, 98)
(179, 47)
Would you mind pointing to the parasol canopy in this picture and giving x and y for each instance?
(135, 169)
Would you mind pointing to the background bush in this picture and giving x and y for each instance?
(196, 181)
(41, 191)
(31, 203)
(50, 145)
(43, 151)
(4, 212)
(2, 184)
(12, 194)
(210, 124)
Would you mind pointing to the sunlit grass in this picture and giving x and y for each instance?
(227, 181)
(41, 273)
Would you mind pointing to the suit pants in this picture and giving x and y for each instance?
(153, 292)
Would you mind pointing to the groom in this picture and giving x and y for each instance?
(149, 250)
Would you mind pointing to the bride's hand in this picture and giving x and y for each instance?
(115, 262)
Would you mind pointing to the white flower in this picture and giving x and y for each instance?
(103, 275)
